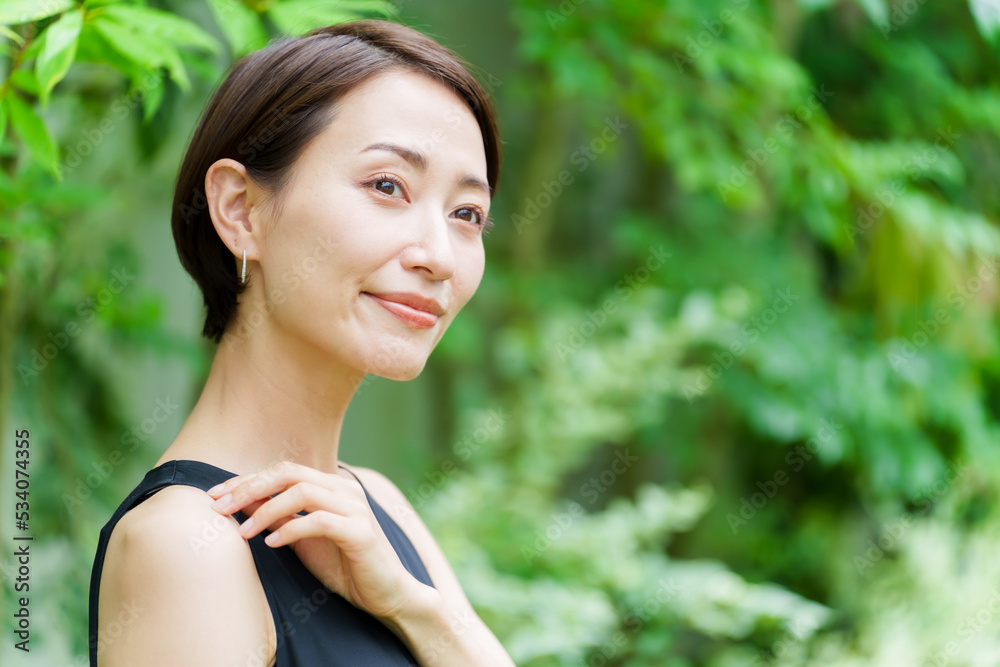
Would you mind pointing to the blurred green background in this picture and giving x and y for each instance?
(728, 394)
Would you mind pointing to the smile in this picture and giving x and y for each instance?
(418, 319)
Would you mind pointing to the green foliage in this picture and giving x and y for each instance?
(76, 311)
(25, 11)
(33, 132)
(728, 393)
(57, 54)
(819, 350)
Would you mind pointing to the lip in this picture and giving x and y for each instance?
(417, 311)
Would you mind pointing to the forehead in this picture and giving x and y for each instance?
(410, 109)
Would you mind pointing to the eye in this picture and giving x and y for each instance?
(387, 185)
(470, 214)
(475, 215)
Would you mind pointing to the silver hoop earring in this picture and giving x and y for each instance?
(243, 277)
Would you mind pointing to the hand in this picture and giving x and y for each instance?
(339, 541)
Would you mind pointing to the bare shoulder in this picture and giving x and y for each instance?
(396, 505)
(179, 586)
(388, 496)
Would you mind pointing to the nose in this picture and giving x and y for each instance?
(431, 248)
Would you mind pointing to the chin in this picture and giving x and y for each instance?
(399, 375)
(399, 370)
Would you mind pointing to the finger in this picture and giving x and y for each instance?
(278, 478)
(224, 504)
(252, 508)
(276, 525)
(251, 512)
(302, 496)
(347, 532)
(272, 470)
(223, 488)
(223, 494)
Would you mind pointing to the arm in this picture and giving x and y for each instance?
(440, 628)
(440, 633)
(179, 587)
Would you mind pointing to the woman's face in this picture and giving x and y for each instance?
(390, 199)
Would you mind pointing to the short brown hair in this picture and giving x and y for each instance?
(271, 104)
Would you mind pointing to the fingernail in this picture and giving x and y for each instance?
(223, 502)
(246, 526)
(215, 488)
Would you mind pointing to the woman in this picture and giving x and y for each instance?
(339, 184)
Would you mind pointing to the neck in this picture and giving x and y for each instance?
(266, 401)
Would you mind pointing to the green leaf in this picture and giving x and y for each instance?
(815, 5)
(57, 55)
(11, 35)
(15, 12)
(152, 97)
(241, 25)
(25, 79)
(148, 51)
(380, 7)
(32, 49)
(3, 122)
(987, 15)
(877, 10)
(142, 52)
(32, 131)
(93, 47)
(298, 16)
(170, 27)
(174, 64)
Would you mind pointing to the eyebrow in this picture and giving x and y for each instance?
(419, 161)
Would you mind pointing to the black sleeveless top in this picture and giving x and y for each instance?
(315, 627)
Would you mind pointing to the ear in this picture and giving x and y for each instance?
(232, 195)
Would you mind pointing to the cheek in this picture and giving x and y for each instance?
(471, 272)
(323, 246)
